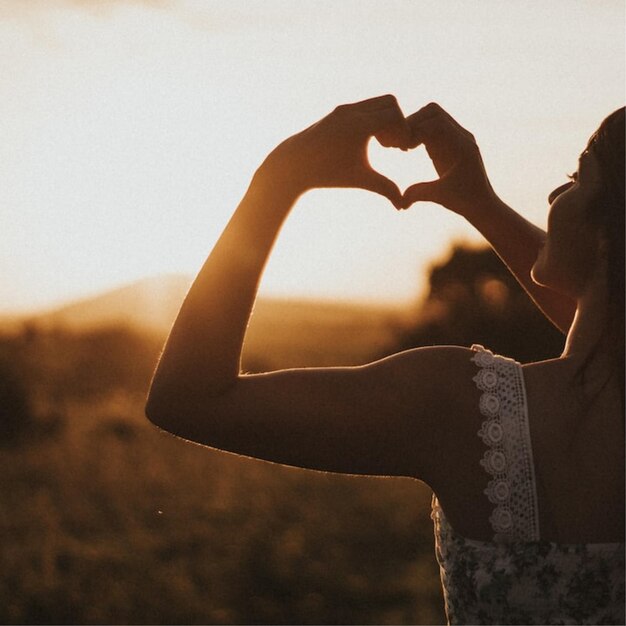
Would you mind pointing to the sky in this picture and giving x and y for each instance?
(129, 130)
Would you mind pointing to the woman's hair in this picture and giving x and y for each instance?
(606, 213)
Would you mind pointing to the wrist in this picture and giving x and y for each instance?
(484, 208)
(278, 177)
(269, 185)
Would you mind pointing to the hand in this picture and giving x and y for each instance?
(462, 185)
(333, 152)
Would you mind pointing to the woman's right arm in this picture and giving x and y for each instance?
(463, 187)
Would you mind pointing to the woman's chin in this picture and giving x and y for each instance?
(537, 271)
(535, 275)
(555, 282)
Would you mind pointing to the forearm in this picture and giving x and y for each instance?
(517, 242)
(202, 354)
(204, 347)
(463, 187)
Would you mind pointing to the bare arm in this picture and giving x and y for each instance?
(383, 418)
(463, 187)
(204, 346)
(518, 242)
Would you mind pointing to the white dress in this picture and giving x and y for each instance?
(516, 578)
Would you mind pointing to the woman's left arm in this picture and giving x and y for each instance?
(344, 419)
(204, 346)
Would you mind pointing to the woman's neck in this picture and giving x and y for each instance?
(588, 344)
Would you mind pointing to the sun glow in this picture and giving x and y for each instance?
(130, 130)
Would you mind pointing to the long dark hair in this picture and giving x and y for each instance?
(606, 213)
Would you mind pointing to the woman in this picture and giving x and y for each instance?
(525, 460)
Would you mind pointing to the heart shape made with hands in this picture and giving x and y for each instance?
(405, 168)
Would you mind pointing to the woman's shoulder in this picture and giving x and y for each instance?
(439, 377)
(434, 388)
(448, 359)
(459, 372)
(447, 374)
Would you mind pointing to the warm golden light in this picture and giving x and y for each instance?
(129, 130)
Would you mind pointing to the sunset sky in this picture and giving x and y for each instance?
(129, 130)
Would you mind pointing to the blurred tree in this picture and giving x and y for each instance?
(16, 416)
(473, 298)
(58, 364)
(107, 359)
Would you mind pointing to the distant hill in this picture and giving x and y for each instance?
(150, 304)
(283, 332)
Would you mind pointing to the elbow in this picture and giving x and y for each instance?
(164, 401)
(153, 412)
(158, 403)
(180, 409)
(158, 410)
(177, 411)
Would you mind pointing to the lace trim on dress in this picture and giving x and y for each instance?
(509, 458)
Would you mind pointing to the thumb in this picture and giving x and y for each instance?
(421, 192)
(376, 182)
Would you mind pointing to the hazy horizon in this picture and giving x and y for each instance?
(88, 299)
(129, 130)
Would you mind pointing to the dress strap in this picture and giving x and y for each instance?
(509, 457)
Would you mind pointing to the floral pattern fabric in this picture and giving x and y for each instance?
(528, 582)
(517, 578)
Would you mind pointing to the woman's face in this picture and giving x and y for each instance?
(569, 256)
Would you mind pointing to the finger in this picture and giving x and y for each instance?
(376, 182)
(441, 141)
(432, 130)
(380, 117)
(366, 106)
(389, 126)
(428, 130)
(453, 123)
(379, 102)
(421, 192)
(395, 135)
(431, 110)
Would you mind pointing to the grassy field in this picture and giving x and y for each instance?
(104, 519)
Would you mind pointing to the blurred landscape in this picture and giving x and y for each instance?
(104, 519)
